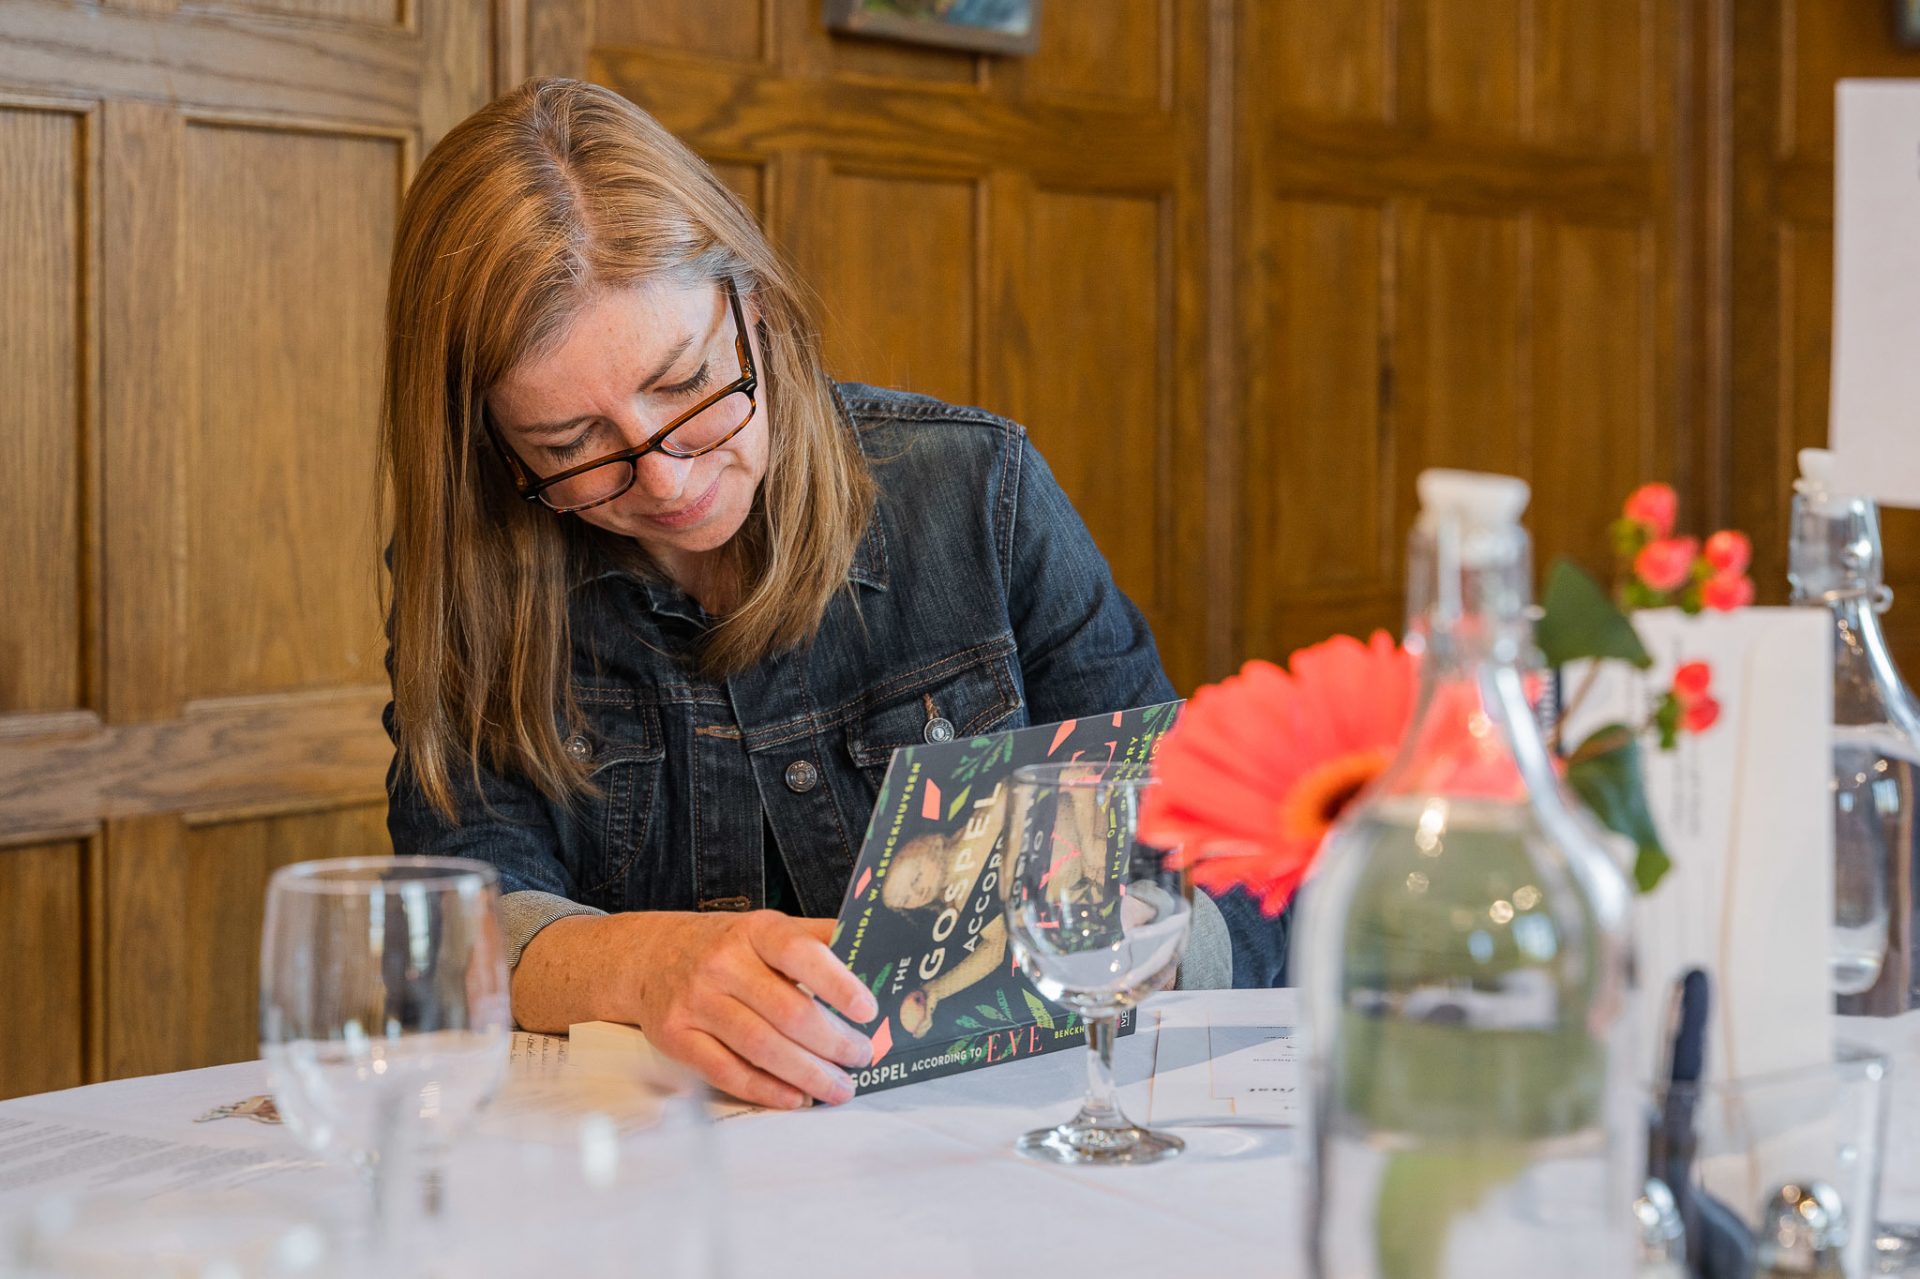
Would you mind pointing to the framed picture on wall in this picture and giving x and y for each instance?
(986, 26)
(1906, 22)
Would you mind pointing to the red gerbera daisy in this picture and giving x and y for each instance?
(1261, 765)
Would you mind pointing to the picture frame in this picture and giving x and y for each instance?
(982, 26)
(1906, 23)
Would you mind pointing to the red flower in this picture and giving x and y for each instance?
(1691, 681)
(1725, 592)
(1654, 507)
(1666, 565)
(1260, 766)
(1699, 715)
(1729, 552)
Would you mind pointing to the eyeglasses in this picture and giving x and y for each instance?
(701, 429)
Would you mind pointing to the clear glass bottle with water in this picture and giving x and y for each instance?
(1463, 955)
(1835, 564)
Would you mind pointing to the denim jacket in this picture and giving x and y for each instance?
(976, 601)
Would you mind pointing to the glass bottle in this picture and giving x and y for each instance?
(1463, 955)
(1834, 563)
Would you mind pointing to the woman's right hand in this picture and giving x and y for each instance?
(720, 992)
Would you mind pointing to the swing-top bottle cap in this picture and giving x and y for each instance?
(1472, 499)
(1821, 482)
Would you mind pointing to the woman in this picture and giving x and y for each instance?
(665, 598)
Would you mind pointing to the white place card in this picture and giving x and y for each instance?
(1875, 412)
(1745, 811)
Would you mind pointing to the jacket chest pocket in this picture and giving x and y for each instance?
(950, 702)
(620, 742)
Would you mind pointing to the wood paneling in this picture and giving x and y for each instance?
(286, 258)
(901, 256)
(43, 295)
(1115, 51)
(1787, 56)
(1462, 223)
(379, 13)
(178, 997)
(1097, 406)
(714, 29)
(1478, 68)
(1328, 62)
(198, 205)
(41, 918)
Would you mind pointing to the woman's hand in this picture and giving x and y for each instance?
(720, 992)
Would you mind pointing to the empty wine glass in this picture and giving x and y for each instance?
(1099, 921)
(384, 1016)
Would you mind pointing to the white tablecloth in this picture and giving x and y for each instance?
(920, 1180)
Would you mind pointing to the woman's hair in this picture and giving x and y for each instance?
(520, 214)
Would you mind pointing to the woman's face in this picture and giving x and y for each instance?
(634, 359)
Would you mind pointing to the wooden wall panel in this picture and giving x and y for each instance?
(1102, 426)
(1318, 370)
(1592, 75)
(1322, 61)
(1472, 383)
(1517, 301)
(45, 225)
(1113, 51)
(1478, 67)
(287, 255)
(182, 997)
(1594, 379)
(197, 201)
(905, 299)
(715, 28)
(42, 919)
(379, 13)
(1787, 56)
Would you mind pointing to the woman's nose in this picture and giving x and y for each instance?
(661, 477)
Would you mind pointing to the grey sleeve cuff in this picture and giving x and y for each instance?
(525, 913)
(1209, 960)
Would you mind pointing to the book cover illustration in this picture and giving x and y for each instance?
(923, 923)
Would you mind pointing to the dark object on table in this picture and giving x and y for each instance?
(1906, 22)
(1803, 1231)
(1719, 1246)
(985, 26)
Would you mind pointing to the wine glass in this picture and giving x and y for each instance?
(384, 1016)
(1099, 921)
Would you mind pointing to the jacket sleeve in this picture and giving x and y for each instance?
(1084, 648)
(498, 822)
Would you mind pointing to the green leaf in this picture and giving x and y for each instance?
(1667, 719)
(1041, 1013)
(1605, 773)
(959, 802)
(1581, 622)
(1629, 537)
(989, 1012)
(881, 980)
(966, 1021)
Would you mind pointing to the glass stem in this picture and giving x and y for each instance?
(1102, 1106)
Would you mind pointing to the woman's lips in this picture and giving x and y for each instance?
(688, 515)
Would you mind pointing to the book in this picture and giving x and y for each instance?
(923, 923)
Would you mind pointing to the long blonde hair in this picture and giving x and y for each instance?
(553, 191)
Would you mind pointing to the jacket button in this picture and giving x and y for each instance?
(579, 748)
(802, 777)
(939, 729)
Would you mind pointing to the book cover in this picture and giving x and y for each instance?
(923, 923)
